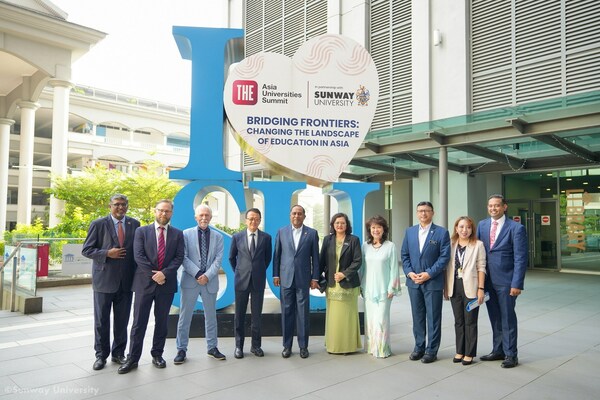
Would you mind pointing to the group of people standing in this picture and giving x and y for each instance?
(145, 260)
(488, 261)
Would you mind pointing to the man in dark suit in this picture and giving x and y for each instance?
(296, 271)
(250, 254)
(200, 277)
(109, 243)
(158, 249)
(425, 254)
(505, 242)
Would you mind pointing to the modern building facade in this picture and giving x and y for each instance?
(476, 97)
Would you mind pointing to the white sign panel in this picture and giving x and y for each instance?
(73, 263)
(545, 219)
(304, 117)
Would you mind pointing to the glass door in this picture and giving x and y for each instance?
(541, 221)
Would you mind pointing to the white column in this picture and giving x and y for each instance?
(60, 143)
(5, 125)
(443, 186)
(28, 109)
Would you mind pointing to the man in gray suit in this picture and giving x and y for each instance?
(249, 256)
(200, 276)
(296, 270)
(109, 243)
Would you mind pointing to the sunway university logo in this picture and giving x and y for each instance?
(244, 92)
(304, 117)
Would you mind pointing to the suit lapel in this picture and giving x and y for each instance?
(111, 229)
(345, 246)
(129, 230)
(211, 246)
(503, 232)
(154, 243)
(259, 239)
(196, 245)
(303, 235)
(427, 239)
(468, 253)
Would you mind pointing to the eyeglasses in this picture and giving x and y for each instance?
(424, 211)
(117, 205)
(253, 219)
(163, 211)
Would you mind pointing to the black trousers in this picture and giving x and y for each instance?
(120, 302)
(465, 322)
(141, 315)
(241, 305)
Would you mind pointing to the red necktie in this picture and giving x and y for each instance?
(120, 233)
(493, 233)
(161, 247)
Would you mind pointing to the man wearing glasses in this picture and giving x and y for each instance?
(425, 254)
(158, 249)
(249, 256)
(109, 243)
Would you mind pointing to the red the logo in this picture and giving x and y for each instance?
(245, 92)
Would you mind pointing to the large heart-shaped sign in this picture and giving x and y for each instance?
(304, 117)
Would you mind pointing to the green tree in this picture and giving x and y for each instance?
(87, 194)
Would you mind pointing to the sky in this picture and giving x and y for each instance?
(139, 55)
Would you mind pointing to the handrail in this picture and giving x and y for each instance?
(13, 284)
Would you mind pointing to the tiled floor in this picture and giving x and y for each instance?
(50, 355)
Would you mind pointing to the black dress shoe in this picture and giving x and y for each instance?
(416, 355)
(257, 351)
(510, 362)
(467, 362)
(99, 364)
(492, 357)
(238, 353)
(159, 362)
(457, 360)
(118, 359)
(179, 358)
(428, 358)
(128, 366)
(286, 353)
(304, 352)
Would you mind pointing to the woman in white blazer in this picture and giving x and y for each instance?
(465, 277)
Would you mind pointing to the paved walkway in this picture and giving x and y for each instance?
(50, 355)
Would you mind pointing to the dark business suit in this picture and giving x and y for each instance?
(111, 282)
(296, 268)
(506, 266)
(426, 299)
(249, 281)
(148, 291)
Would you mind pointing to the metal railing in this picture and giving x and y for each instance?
(13, 284)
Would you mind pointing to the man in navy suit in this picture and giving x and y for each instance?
(505, 242)
(425, 254)
(109, 243)
(158, 249)
(200, 277)
(296, 271)
(249, 255)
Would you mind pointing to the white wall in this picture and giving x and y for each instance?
(449, 69)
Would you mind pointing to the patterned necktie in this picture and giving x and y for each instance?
(203, 251)
(252, 244)
(493, 233)
(120, 233)
(161, 248)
